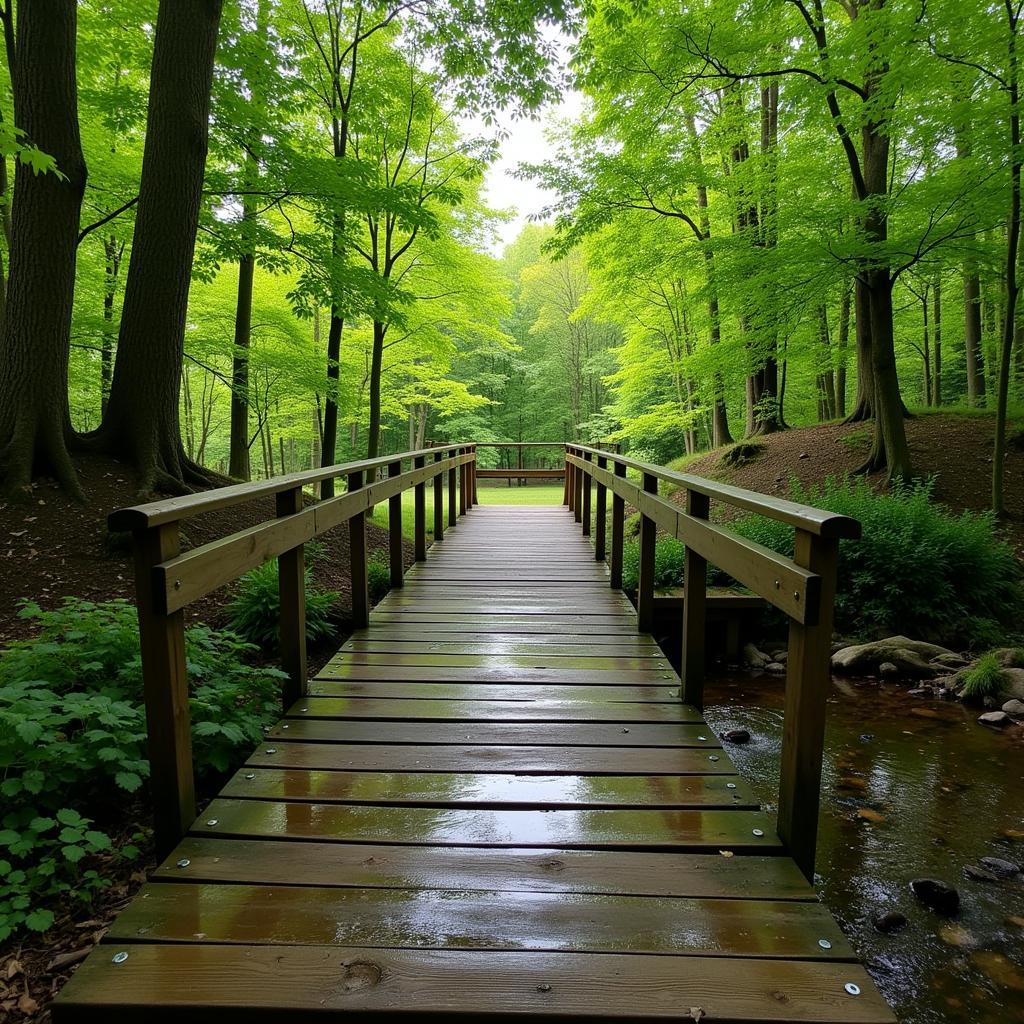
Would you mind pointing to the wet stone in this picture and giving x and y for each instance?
(775, 668)
(887, 670)
(995, 718)
(736, 736)
(976, 873)
(890, 922)
(1014, 708)
(999, 867)
(936, 895)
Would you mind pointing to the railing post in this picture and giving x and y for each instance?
(645, 582)
(357, 560)
(570, 481)
(618, 532)
(438, 499)
(807, 685)
(165, 683)
(566, 492)
(395, 553)
(695, 590)
(602, 513)
(291, 587)
(452, 488)
(420, 513)
(587, 487)
(463, 476)
(473, 499)
(577, 501)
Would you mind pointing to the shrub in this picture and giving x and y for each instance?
(918, 569)
(669, 555)
(255, 611)
(73, 736)
(378, 575)
(984, 680)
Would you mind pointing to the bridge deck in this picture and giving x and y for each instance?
(492, 803)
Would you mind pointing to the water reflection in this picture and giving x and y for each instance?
(910, 789)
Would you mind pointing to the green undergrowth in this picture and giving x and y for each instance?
(917, 569)
(73, 745)
(254, 612)
(985, 679)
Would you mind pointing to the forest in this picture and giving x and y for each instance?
(265, 246)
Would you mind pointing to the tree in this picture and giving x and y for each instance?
(141, 422)
(35, 425)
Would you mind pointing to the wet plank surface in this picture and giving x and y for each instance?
(490, 804)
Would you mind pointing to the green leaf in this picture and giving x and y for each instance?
(67, 816)
(73, 853)
(42, 824)
(39, 920)
(128, 780)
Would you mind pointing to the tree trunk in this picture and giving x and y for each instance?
(330, 434)
(844, 344)
(238, 459)
(376, 362)
(1012, 286)
(864, 404)
(112, 252)
(35, 343)
(141, 423)
(937, 341)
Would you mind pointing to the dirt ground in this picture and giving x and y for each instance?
(956, 450)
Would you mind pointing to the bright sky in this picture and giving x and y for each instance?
(526, 143)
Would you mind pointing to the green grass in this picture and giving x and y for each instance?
(489, 494)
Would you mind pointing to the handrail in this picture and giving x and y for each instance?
(154, 513)
(803, 587)
(167, 580)
(805, 517)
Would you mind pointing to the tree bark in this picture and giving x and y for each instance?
(141, 423)
(937, 340)
(844, 344)
(238, 458)
(376, 365)
(35, 342)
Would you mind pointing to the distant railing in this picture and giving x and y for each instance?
(167, 580)
(522, 472)
(803, 587)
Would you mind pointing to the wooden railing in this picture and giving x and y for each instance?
(803, 587)
(167, 580)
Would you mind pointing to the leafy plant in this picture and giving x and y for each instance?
(917, 569)
(669, 557)
(255, 611)
(378, 574)
(985, 679)
(73, 736)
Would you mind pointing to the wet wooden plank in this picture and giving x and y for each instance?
(425, 709)
(336, 982)
(453, 919)
(529, 760)
(497, 673)
(386, 639)
(495, 734)
(664, 693)
(508, 662)
(280, 862)
(643, 829)
(468, 789)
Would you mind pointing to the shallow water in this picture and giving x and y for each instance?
(943, 792)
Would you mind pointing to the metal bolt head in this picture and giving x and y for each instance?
(824, 943)
(702, 737)
(271, 750)
(284, 726)
(303, 709)
(625, 730)
(713, 757)
(730, 785)
(758, 832)
(119, 957)
(250, 775)
(184, 862)
(211, 822)
(177, 584)
(852, 989)
(544, 988)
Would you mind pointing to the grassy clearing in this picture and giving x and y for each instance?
(489, 494)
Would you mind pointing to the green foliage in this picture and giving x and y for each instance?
(255, 610)
(985, 679)
(73, 735)
(378, 576)
(918, 569)
(669, 557)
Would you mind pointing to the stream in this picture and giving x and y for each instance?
(910, 788)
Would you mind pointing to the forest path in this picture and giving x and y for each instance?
(491, 803)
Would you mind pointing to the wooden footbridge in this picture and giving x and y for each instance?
(497, 800)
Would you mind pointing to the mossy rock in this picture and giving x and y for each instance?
(742, 454)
